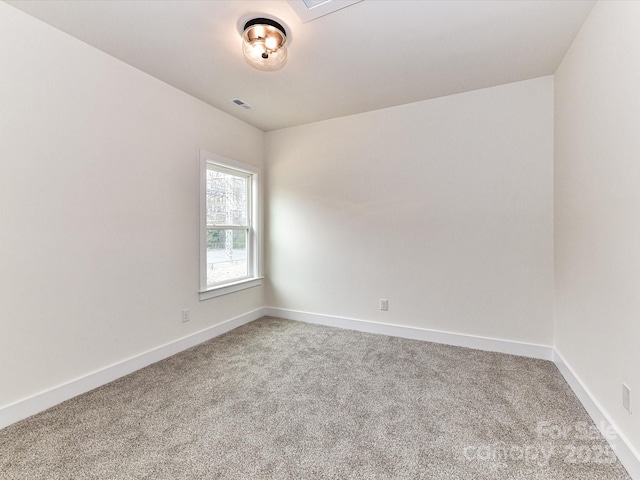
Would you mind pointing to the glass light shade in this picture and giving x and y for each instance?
(264, 44)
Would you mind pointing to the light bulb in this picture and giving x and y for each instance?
(259, 31)
(271, 43)
(257, 49)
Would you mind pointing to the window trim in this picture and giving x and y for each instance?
(254, 253)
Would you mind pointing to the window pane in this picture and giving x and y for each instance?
(226, 255)
(226, 199)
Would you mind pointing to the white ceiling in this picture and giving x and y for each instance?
(370, 55)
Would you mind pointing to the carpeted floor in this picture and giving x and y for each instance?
(282, 399)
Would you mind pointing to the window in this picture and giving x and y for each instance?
(229, 236)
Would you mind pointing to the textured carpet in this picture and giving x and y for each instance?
(281, 399)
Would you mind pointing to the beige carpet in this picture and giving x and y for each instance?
(281, 399)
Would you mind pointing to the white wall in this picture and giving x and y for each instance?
(99, 195)
(444, 207)
(597, 208)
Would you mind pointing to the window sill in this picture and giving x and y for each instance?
(230, 288)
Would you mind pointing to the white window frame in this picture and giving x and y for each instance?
(254, 240)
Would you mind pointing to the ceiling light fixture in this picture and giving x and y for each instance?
(264, 44)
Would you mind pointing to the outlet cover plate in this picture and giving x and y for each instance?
(626, 397)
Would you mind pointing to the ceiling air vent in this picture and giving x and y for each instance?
(242, 104)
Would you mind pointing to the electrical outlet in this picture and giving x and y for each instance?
(626, 397)
(186, 315)
(384, 304)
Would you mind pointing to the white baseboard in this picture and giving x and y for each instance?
(39, 402)
(627, 455)
(531, 350)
